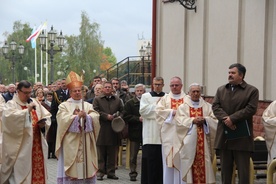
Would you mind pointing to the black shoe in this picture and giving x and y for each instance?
(99, 178)
(113, 177)
(133, 178)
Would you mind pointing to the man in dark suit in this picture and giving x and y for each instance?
(234, 106)
(59, 96)
(134, 119)
(108, 140)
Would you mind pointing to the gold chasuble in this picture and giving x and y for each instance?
(174, 105)
(38, 174)
(198, 167)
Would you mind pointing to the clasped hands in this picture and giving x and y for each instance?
(227, 121)
(198, 120)
(80, 113)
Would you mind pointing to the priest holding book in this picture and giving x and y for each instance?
(234, 106)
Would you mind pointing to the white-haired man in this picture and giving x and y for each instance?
(134, 119)
(196, 128)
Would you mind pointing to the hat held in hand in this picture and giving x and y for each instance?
(73, 80)
(118, 124)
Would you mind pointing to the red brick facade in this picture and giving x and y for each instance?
(258, 127)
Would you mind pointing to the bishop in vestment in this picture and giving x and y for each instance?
(78, 126)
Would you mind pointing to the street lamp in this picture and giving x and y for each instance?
(52, 51)
(142, 54)
(148, 50)
(59, 73)
(13, 57)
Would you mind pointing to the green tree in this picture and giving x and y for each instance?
(20, 33)
(85, 51)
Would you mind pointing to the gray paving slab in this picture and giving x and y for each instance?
(121, 172)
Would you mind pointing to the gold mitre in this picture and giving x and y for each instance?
(73, 80)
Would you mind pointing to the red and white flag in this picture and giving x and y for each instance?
(37, 32)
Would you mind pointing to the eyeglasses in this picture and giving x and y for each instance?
(157, 84)
(25, 92)
(174, 85)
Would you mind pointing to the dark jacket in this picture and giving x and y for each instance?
(105, 105)
(240, 104)
(90, 95)
(131, 115)
(58, 97)
(8, 96)
(125, 96)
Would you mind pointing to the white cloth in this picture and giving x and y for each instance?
(165, 119)
(18, 132)
(185, 143)
(2, 103)
(151, 133)
(269, 121)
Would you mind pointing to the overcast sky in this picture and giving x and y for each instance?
(121, 21)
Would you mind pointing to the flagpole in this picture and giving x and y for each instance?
(33, 37)
(35, 67)
(41, 67)
(47, 65)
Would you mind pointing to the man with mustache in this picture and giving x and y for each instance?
(109, 107)
(234, 106)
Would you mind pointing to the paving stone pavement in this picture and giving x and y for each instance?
(121, 172)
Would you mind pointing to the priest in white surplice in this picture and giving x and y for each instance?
(165, 112)
(196, 127)
(24, 145)
(269, 121)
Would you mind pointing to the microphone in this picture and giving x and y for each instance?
(29, 101)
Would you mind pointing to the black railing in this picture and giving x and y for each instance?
(133, 69)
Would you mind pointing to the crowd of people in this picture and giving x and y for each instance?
(179, 133)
